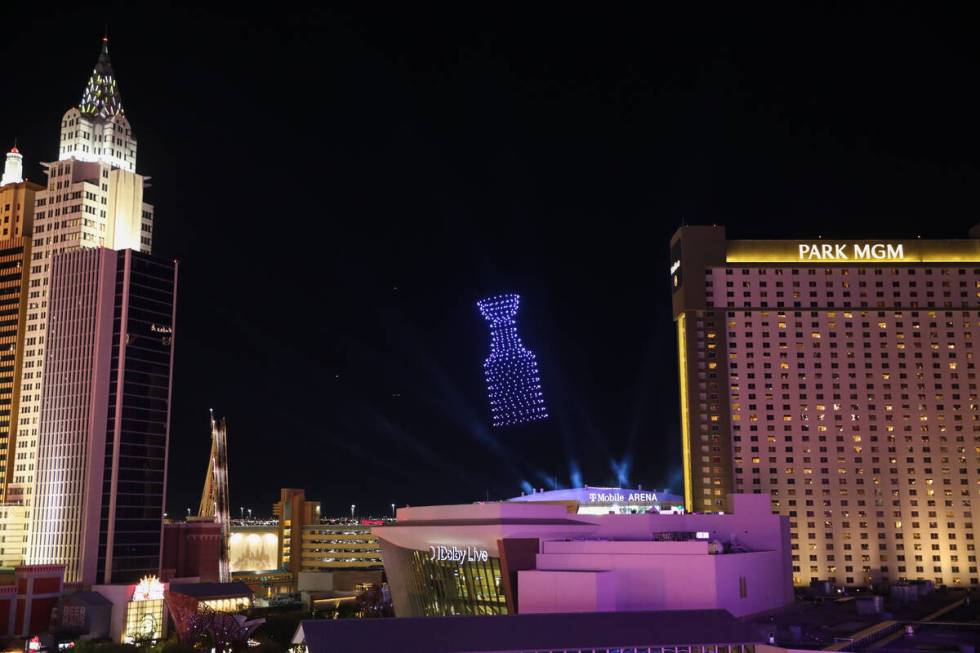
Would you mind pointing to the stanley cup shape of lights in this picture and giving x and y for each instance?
(511, 370)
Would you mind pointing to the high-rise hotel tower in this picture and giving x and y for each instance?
(839, 377)
(93, 198)
(105, 419)
(17, 197)
(87, 483)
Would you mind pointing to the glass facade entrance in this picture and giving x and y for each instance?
(444, 588)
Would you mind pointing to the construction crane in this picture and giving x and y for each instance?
(214, 499)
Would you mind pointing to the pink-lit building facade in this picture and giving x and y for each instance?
(839, 378)
(106, 416)
(508, 558)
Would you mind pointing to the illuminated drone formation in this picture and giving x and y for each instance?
(511, 370)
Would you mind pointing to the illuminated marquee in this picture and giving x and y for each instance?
(851, 251)
(253, 550)
(144, 612)
(620, 497)
(442, 553)
(148, 589)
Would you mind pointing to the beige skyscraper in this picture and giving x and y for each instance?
(17, 198)
(93, 198)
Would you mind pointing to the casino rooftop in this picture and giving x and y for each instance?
(642, 632)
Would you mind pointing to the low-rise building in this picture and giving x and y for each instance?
(507, 558)
(636, 632)
(191, 549)
(26, 604)
(340, 544)
(82, 615)
(300, 550)
(220, 597)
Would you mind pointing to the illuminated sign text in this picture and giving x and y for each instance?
(851, 251)
(620, 497)
(457, 554)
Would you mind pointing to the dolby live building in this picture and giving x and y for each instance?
(534, 557)
(840, 378)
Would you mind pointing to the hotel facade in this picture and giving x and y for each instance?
(838, 377)
(17, 198)
(93, 197)
(83, 460)
(105, 423)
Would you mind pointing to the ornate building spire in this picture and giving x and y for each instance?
(101, 97)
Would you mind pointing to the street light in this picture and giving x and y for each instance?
(242, 509)
(392, 510)
(352, 508)
(249, 513)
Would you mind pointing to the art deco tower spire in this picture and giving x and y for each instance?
(97, 129)
(101, 98)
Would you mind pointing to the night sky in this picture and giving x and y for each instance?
(341, 187)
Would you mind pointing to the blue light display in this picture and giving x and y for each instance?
(511, 370)
(622, 470)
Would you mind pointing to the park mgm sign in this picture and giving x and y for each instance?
(836, 252)
(852, 251)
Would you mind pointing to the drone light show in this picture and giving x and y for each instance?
(511, 370)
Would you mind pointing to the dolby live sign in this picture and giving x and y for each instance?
(459, 555)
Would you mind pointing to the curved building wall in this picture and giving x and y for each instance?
(446, 588)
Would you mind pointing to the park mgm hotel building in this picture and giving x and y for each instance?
(839, 377)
